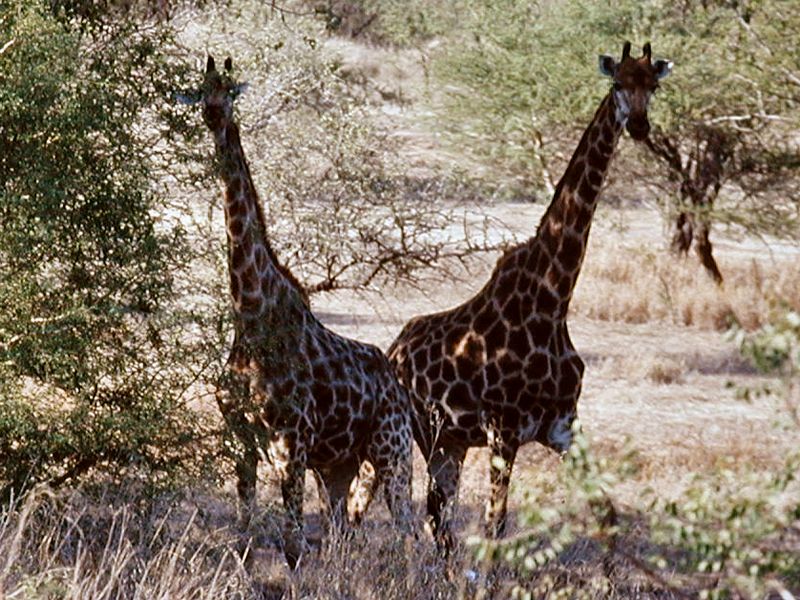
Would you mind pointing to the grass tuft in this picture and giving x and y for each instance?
(641, 284)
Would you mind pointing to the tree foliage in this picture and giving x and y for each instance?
(94, 354)
(341, 211)
(729, 534)
(113, 296)
(525, 80)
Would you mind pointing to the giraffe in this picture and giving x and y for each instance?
(313, 398)
(500, 370)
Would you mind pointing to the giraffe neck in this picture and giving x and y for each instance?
(563, 231)
(258, 282)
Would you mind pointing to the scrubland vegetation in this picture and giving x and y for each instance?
(396, 148)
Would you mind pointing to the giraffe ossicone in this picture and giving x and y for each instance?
(298, 392)
(500, 370)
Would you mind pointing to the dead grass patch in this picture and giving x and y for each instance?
(642, 284)
(655, 368)
(114, 543)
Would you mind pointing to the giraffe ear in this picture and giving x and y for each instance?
(239, 89)
(662, 68)
(607, 65)
(192, 97)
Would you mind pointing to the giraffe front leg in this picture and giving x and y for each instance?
(444, 469)
(290, 466)
(294, 541)
(246, 476)
(334, 484)
(232, 400)
(503, 454)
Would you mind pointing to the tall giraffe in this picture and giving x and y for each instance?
(500, 369)
(317, 400)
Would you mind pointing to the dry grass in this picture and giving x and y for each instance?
(641, 284)
(117, 545)
(112, 543)
(649, 378)
(656, 369)
(114, 546)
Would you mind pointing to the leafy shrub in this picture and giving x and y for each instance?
(94, 350)
(523, 79)
(775, 349)
(341, 212)
(730, 534)
(727, 535)
(113, 300)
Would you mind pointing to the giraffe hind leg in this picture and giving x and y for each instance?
(361, 493)
(396, 477)
(389, 455)
(444, 469)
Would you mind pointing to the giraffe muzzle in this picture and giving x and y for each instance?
(639, 128)
(559, 434)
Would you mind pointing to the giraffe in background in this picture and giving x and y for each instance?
(314, 398)
(500, 370)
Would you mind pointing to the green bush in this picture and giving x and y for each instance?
(523, 83)
(729, 534)
(114, 293)
(97, 359)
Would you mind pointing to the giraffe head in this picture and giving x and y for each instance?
(635, 80)
(216, 94)
(556, 430)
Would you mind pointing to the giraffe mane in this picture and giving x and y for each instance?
(282, 269)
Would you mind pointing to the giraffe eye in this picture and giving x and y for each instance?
(617, 86)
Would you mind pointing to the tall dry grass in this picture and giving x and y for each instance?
(111, 546)
(639, 284)
(115, 543)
